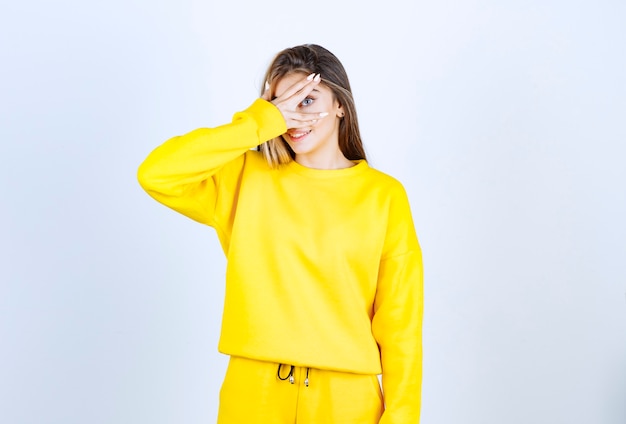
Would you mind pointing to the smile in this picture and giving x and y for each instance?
(298, 135)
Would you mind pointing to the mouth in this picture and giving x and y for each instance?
(298, 135)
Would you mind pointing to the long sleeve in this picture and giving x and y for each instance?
(398, 312)
(185, 173)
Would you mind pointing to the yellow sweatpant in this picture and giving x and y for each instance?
(253, 393)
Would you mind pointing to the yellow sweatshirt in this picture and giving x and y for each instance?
(324, 268)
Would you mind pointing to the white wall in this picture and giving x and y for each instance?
(504, 120)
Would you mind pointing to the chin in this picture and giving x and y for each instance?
(299, 151)
(297, 148)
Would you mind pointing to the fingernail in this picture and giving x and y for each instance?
(310, 77)
(323, 114)
(317, 78)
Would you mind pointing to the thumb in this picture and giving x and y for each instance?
(266, 93)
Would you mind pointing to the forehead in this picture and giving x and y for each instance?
(290, 79)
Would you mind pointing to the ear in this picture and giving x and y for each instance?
(339, 111)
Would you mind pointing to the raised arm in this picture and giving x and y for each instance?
(183, 173)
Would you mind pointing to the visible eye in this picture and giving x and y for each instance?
(307, 102)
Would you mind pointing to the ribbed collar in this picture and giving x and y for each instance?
(359, 167)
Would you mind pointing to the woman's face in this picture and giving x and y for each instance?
(320, 139)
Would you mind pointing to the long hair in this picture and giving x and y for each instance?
(308, 59)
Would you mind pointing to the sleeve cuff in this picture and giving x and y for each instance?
(269, 120)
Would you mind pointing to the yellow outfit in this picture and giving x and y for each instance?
(252, 393)
(324, 268)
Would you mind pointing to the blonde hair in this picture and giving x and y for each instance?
(311, 58)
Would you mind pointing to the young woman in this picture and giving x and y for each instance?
(324, 271)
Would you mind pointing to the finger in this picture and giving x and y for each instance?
(303, 120)
(301, 88)
(306, 90)
(307, 117)
(293, 125)
(297, 86)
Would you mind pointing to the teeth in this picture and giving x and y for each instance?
(299, 134)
